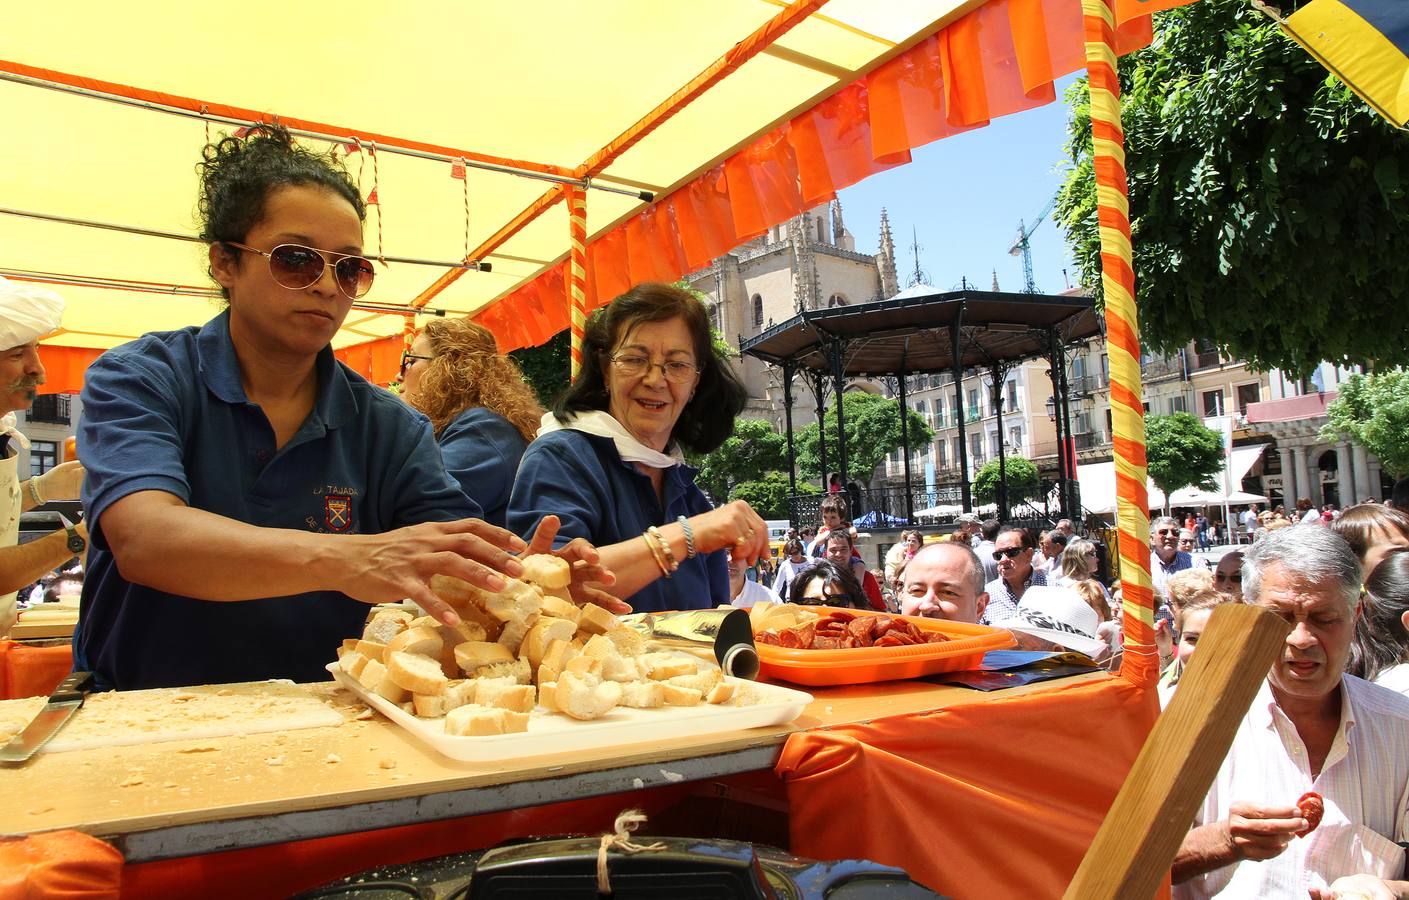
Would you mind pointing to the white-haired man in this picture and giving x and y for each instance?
(27, 314)
(1165, 556)
(1311, 728)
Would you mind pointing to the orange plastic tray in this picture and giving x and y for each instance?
(859, 665)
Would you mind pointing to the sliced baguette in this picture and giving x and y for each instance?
(595, 620)
(560, 608)
(372, 650)
(599, 646)
(459, 692)
(419, 639)
(622, 669)
(543, 633)
(679, 696)
(352, 663)
(505, 693)
(385, 626)
(370, 675)
(467, 600)
(547, 695)
(663, 666)
(585, 696)
(389, 690)
(643, 694)
(475, 721)
(628, 641)
(519, 670)
(722, 692)
(546, 571)
(347, 646)
(584, 665)
(473, 655)
(416, 673)
(429, 706)
(703, 681)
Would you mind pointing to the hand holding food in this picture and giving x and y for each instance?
(1312, 807)
(1262, 832)
(585, 577)
(385, 568)
(517, 649)
(734, 525)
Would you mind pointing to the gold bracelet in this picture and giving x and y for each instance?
(671, 564)
(655, 552)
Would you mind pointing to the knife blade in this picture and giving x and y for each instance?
(63, 703)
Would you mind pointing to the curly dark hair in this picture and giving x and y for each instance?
(708, 419)
(468, 370)
(238, 173)
(830, 573)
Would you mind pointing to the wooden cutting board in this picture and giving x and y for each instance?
(113, 719)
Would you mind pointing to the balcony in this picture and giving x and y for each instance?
(1162, 366)
(51, 409)
(1090, 440)
(973, 415)
(1088, 384)
(1206, 359)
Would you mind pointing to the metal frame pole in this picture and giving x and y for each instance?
(955, 335)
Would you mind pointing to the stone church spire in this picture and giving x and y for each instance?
(804, 271)
(885, 260)
(995, 281)
(838, 229)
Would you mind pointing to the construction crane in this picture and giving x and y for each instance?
(1021, 246)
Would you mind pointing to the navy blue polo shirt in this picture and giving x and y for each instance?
(482, 451)
(167, 412)
(582, 480)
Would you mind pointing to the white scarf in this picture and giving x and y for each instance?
(9, 427)
(602, 424)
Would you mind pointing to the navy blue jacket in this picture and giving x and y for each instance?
(583, 480)
(167, 412)
(482, 451)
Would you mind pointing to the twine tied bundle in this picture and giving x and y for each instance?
(626, 822)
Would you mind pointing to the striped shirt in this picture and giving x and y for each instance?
(1002, 603)
(1364, 781)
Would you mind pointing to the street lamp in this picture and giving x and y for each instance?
(1052, 409)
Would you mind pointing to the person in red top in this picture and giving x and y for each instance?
(842, 553)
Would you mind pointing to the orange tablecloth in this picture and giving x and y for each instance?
(992, 800)
(32, 671)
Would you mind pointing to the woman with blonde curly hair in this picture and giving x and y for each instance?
(482, 412)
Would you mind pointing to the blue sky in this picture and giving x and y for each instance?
(964, 195)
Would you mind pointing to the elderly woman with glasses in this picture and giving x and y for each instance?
(482, 412)
(609, 458)
(251, 496)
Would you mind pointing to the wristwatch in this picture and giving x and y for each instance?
(76, 543)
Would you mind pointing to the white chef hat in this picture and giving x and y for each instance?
(27, 312)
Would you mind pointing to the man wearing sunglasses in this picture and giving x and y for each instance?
(1012, 551)
(1165, 556)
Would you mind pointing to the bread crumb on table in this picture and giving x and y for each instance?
(387, 763)
(332, 758)
(132, 780)
(274, 761)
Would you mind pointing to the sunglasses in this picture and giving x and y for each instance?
(1011, 553)
(407, 356)
(1221, 576)
(296, 267)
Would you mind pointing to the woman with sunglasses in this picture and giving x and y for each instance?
(482, 412)
(1228, 574)
(251, 495)
(1077, 563)
(608, 460)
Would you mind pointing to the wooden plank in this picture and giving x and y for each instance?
(33, 627)
(1141, 834)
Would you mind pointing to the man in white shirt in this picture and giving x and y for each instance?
(746, 593)
(1311, 728)
(1165, 556)
(1249, 520)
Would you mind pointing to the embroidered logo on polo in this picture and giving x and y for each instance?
(337, 511)
(1042, 620)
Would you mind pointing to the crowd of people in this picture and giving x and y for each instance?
(248, 496)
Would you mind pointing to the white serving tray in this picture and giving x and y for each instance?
(552, 733)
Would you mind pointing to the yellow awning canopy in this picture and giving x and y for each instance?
(547, 84)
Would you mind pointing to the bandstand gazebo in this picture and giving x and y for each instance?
(922, 331)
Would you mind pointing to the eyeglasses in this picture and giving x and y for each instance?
(1166, 532)
(675, 371)
(407, 356)
(296, 267)
(1010, 552)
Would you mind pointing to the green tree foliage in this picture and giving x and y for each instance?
(546, 366)
(1023, 480)
(753, 449)
(872, 432)
(1182, 453)
(769, 495)
(1267, 201)
(1373, 411)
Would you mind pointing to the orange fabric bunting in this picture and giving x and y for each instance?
(59, 865)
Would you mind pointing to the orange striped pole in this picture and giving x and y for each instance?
(1141, 660)
(577, 270)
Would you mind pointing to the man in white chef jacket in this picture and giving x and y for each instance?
(27, 313)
